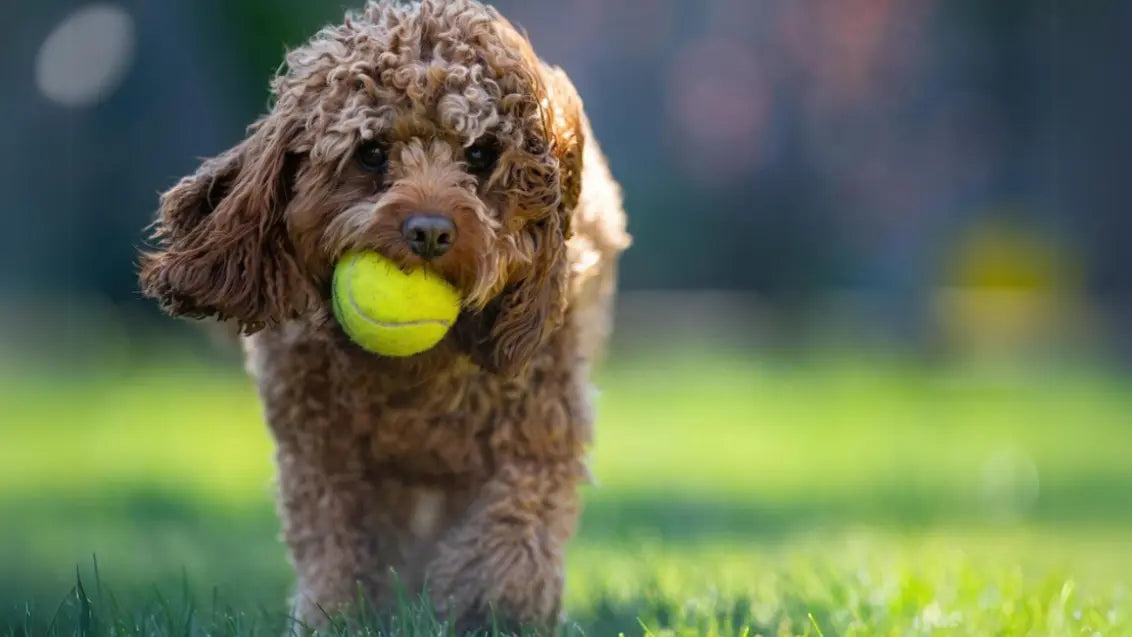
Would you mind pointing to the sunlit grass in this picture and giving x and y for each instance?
(869, 585)
(864, 584)
(879, 496)
(839, 425)
(197, 429)
(713, 422)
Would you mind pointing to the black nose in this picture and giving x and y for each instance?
(429, 234)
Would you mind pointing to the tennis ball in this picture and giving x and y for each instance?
(388, 311)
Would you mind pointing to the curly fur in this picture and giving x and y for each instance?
(457, 468)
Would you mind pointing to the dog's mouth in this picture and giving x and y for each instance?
(470, 332)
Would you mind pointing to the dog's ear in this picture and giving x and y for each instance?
(534, 305)
(222, 249)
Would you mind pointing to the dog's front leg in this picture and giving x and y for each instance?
(502, 565)
(334, 524)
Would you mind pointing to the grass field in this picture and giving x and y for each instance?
(834, 495)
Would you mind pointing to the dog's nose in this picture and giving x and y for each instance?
(429, 234)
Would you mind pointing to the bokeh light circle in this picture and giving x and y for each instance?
(86, 56)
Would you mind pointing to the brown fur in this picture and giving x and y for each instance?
(456, 468)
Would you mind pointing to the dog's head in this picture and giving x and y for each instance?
(429, 132)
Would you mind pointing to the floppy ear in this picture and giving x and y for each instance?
(222, 248)
(534, 306)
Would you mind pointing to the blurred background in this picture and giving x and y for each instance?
(881, 264)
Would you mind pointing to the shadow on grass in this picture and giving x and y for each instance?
(1096, 501)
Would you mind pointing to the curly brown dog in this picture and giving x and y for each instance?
(457, 469)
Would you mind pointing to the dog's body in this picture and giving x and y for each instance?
(456, 469)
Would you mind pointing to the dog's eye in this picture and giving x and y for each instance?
(371, 156)
(481, 158)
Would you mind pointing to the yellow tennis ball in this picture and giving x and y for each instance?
(390, 312)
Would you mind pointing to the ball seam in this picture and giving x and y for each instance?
(375, 322)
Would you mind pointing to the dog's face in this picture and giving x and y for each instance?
(428, 132)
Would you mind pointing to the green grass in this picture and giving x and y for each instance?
(836, 496)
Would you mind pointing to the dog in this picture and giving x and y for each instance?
(454, 471)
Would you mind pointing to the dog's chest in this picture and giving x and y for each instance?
(453, 424)
(441, 428)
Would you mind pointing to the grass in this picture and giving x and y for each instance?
(831, 495)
